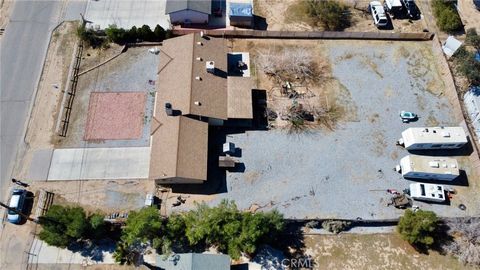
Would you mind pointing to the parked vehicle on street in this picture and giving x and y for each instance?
(378, 13)
(412, 9)
(17, 201)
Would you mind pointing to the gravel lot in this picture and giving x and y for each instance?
(132, 71)
(345, 173)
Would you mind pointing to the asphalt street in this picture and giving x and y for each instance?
(22, 53)
(23, 48)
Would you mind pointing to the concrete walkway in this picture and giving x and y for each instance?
(42, 253)
(100, 163)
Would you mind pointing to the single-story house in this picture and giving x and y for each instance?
(188, 11)
(193, 92)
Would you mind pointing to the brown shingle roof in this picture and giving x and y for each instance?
(179, 148)
(179, 68)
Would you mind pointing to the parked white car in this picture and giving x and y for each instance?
(378, 13)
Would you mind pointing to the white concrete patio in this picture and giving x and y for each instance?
(100, 163)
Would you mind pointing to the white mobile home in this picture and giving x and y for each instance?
(427, 192)
(472, 104)
(425, 138)
(423, 167)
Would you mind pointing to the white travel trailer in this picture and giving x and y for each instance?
(427, 138)
(427, 192)
(424, 167)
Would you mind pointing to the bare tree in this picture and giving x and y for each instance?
(288, 65)
(466, 243)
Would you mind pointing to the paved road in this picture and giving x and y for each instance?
(22, 55)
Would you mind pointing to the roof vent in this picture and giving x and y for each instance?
(200, 43)
(199, 59)
(210, 65)
(197, 103)
(434, 164)
(198, 78)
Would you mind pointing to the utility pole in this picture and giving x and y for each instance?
(18, 212)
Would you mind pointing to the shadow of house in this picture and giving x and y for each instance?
(260, 23)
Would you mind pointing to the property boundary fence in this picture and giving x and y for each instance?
(71, 92)
(422, 36)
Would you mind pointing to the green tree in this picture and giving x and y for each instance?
(116, 35)
(145, 33)
(159, 33)
(330, 14)
(230, 230)
(142, 226)
(63, 225)
(97, 226)
(417, 228)
(132, 34)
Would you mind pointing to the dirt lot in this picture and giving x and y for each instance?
(285, 16)
(378, 251)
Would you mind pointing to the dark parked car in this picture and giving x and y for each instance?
(412, 9)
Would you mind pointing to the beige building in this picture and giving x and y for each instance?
(425, 167)
(423, 138)
(193, 92)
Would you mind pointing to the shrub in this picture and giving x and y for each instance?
(122, 36)
(466, 240)
(91, 38)
(117, 35)
(417, 228)
(447, 16)
(473, 39)
(331, 15)
(467, 65)
(336, 226)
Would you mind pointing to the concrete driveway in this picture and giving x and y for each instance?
(100, 163)
(127, 13)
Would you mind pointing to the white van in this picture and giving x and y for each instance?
(16, 201)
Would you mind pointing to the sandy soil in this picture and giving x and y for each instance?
(5, 9)
(279, 16)
(42, 123)
(469, 14)
(93, 196)
(378, 251)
